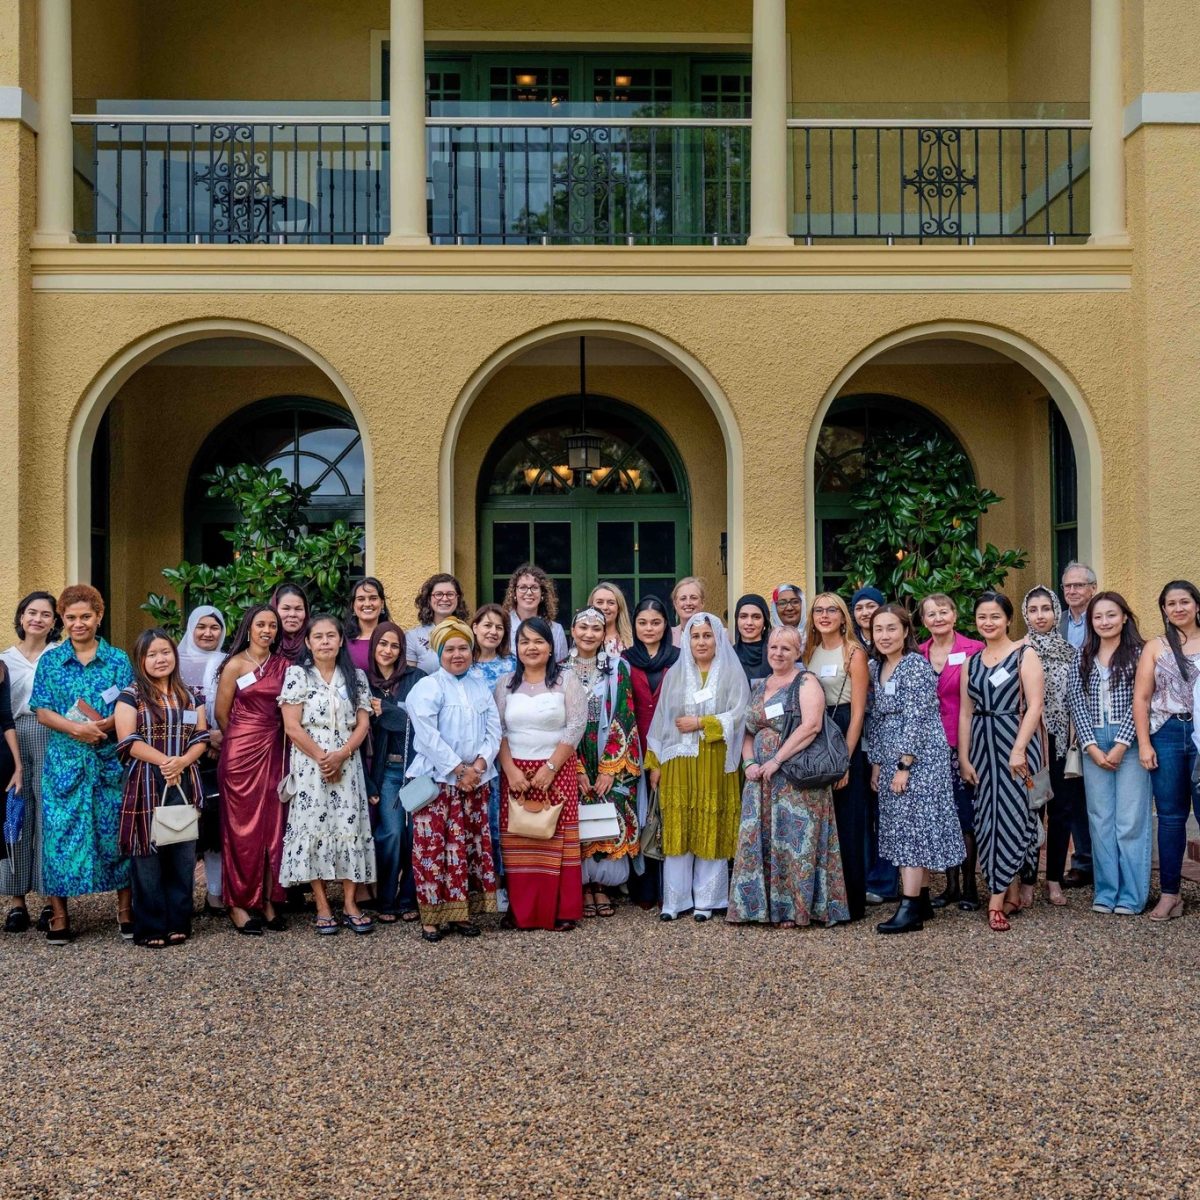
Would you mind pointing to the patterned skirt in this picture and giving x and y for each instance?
(452, 863)
(21, 872)
(545, 882)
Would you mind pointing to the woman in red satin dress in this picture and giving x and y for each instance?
(251, 766)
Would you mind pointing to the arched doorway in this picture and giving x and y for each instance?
(312, 442)
(628, 520)
(850, 427)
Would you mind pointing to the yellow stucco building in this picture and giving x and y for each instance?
(370, 242)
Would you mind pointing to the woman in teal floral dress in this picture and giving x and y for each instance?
(609, 760)
(788, 869)
(75, 689)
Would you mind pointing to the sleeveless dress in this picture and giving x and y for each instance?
(1005, 829)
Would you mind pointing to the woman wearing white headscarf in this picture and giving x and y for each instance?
(200, 656)
(695, 742)
(789, 610)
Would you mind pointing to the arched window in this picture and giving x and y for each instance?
(311, 441)
(851, 424)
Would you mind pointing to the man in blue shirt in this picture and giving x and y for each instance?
(1078, 588)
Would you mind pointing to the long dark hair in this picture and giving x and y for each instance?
(386, 683)
(541, 627)
(241, 639)
(906, 623)
(1125, 657)
(147, 689)
(350, 625)
(1186, 670)
(56, 625)
(424, 600)
(344, 664)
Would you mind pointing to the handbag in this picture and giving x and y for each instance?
(173, 823)
(599, 822)
(1073, 764)
(420, 791)
(1038, 792)
(14, 816)
(650, 835)
(532, 818)
(824, 760)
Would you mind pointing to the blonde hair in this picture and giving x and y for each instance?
(790, 633)
(813, 638)
(935, 598)
(696, 582)
(623, 623)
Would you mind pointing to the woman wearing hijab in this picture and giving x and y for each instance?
(200, 657)
(391, 679)
(1042, 613)
(291, 603)
(788, 608)
(863, 604)
(751, 623)
(695, 745)
(456, 735)
(651, 656)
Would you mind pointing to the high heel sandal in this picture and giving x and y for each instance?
(1175, 911)
(997, 921)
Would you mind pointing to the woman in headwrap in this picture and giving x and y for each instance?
(651, 656)
(1042, 613)
(608, 761)
(291, 604)
(543, 714)
(863, 604)
(751, 624)
(456, 734)
(788, 608)
(695, 745)
(200, 656)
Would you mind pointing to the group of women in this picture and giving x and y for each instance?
(497, 761)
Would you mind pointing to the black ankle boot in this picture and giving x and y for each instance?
(970, 893)
(927, 912)
(906, 919)
(953, 890)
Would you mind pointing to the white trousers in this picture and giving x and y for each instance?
(212, 873)
(607, 873)
(697, 883)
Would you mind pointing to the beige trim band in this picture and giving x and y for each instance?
(1162, 108)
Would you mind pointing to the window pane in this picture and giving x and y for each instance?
(627, 586)
(657, 587)
(552, 546)
(614, 548)
(566, 599)
(510, 546)
(656, 547)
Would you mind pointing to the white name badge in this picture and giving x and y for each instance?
(109, 695)
(956, 659)
(188, 718)
(829, 671)
(244, 681)
(889, 688)
(342, 691)
(999, 676)
(702, 695)
(773, 711)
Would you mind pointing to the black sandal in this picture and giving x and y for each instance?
(432, 935)
(277, 924)
(252, 927)
(17, 920)
(467, 929)
(565, 926)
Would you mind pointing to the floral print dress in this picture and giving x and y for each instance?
(328, 832)
(789, 863)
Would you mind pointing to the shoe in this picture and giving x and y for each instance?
(906, 918)
(126, 928)
(1124, 911)
(1075, 878)
(467, 929)
(327, 926)
(1176, 910)
(874, 898)
(1103, 908)
(701, 917)
(17, 920)
(432, 935)
(277, 924)
(213, 910)
(997, 921)
(665, 916)
(43, 921)
(927, 912)
(358, 922)
(952, 892)
(970, 893)
(60, 937)
(251, 927)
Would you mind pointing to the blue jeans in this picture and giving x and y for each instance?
(494, 825)
(1119, 821)
(883, 877)
(1174, 794)
(395, 890)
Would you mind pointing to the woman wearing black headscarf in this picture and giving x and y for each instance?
(652, 654)
(752, 623)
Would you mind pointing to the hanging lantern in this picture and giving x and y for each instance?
(583, 446)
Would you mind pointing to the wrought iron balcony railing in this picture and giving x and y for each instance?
(575, 180)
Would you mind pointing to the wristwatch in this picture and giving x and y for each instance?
(901, 765)
(550, 766)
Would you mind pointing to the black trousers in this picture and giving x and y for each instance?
(162, 891)
(850, 814)
(1060, 815)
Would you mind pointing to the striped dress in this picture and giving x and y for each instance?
(1005, 829)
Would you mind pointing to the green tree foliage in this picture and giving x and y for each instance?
(271, 544)
(918, 529)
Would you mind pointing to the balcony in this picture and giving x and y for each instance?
(654, 177)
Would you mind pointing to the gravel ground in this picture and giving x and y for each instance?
(630, 1058)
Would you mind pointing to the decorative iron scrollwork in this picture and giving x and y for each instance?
(239, 181)
(940, 182)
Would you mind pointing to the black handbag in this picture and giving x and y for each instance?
(824, 760)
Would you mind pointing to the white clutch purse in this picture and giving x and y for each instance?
(598, 822)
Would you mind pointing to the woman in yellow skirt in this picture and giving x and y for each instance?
(694, 745)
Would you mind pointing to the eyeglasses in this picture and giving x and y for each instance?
(824, 612)
(529, 587)
(1074, 587)
(788, 603)
(444, 595)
